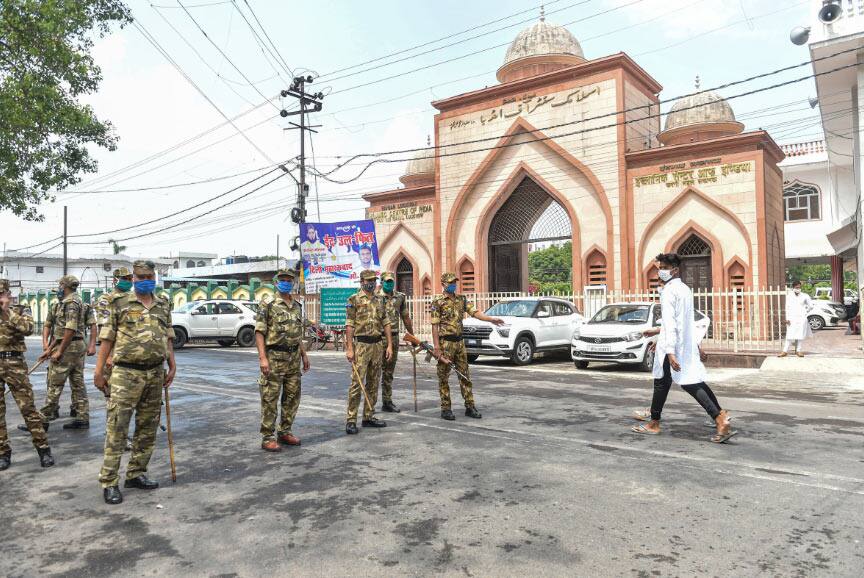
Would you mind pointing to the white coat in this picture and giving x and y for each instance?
(678, 335)
(797, 309)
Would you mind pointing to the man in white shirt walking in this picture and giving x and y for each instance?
(678, 350)
(798, 306)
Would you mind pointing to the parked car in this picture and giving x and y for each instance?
(826, 314)
(825, 293)
(614, 335)
(223, 321)
(531, 325)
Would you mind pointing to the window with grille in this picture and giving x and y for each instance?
(694, 247)
(106, 266)
(466, 277)
(596, 266)
(427, 287)
(801, 202)
(40, 269)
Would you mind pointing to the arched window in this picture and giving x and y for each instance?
(736, 275)
(190, 264)
(595, 265)
(427, 286)
(176, 264)
(466, 276)
(201, 263)
(405, 277)
(801, 202)
(652, 278)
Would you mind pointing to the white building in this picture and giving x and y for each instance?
(188, 260)
(34, 271)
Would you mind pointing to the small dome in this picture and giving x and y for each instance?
(420, 169)
(699, 117)
(547, 45)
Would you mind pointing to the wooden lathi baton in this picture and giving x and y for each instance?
(362, 387)
(36, 365)
(425, 346)
(170, 435)
(414, 355)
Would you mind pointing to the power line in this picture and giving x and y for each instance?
(279, 57)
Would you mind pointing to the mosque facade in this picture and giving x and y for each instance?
(570, 149)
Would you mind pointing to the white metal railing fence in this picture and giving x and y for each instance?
(745, 319)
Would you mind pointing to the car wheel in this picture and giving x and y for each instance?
(472, 358)
(180, 338)
(648, 361)
(816, 322)
(581, 364)
(246, 337)
(523, 351)
(226, 342)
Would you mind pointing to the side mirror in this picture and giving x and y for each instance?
(542, 314)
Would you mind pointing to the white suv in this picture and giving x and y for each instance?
(220, 320)
(531, 324)
(614, 334)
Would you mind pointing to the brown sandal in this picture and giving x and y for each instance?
(724, 428)
(642, 429)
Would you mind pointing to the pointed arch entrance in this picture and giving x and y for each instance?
(696, 268)
(405, 277)
(528, 217)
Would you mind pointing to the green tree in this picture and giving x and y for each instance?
(551, 265)
(45, 67)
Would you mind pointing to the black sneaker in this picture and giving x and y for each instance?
(448, 415)
(46, 460)
(112, 495)
(389, 406)
(374, 422)
(5, 461)
(471, 411)
(77, 424)
(351, 428)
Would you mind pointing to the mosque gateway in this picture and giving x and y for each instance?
(571, 149)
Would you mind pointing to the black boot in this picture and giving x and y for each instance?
(351, 428)
(374, 422)
(471, 411)
(46, 460)
(142, 482)
(5, 461)
(448, 415)
(72, 411)
(390, 407)
(77, 424)
(112, 495)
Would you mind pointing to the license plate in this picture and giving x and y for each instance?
(473, 343)
(600, 348)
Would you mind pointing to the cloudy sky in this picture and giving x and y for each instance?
(380, 63)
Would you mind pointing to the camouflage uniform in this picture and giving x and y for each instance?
(369, 316)
(70, 313)
(397, 306)
(13, 372)
(448, 311)
(281, 324)
(141, 339)
(102, 312)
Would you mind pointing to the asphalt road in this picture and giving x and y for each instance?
(549, 483)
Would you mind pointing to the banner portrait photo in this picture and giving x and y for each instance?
(334, 254)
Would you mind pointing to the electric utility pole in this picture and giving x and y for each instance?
(65, 243)
(308, 103)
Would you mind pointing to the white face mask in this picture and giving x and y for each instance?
(665, 275)
(797, 291)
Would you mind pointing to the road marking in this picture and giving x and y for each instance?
(745, 469)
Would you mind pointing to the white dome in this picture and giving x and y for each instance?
(703, 108)
(543, 39)
(423, 163)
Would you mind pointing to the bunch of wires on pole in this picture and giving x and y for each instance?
(309, 102)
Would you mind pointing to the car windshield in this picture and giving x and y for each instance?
(188, 307)
(512, 309)
(251, 305)
(621, 314)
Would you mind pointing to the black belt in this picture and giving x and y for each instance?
(10, 354)
(452, 338)
(139, 366)
(368, 339)
(283, 348)
(77, 339)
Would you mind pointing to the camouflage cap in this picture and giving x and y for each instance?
(69, 281)
(368, 275)
(449, 278)
(387, 276)
(143, 267)
(4, 285)
(122, 272)
(286, 273)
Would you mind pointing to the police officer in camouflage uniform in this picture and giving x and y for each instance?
(15, 325)
(138, 336)
(448, 311)
(66, 324)
(279, 338)
(397, 303)
(367, 322)
(122, 282)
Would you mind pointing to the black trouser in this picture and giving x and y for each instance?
(700, 392)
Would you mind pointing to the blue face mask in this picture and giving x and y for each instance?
(284, 286)
(145, 286)
(451, 288)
